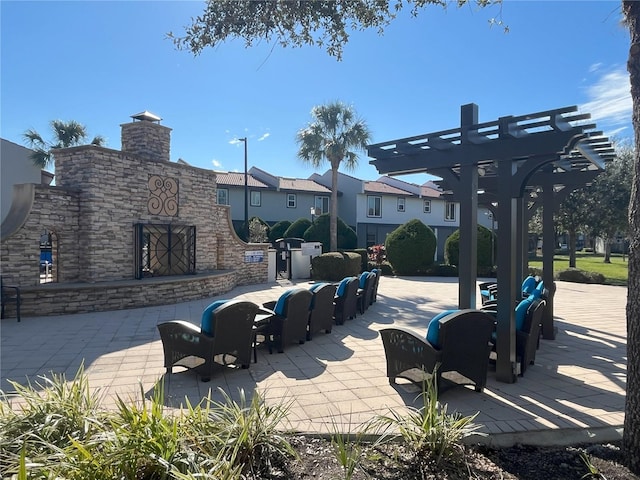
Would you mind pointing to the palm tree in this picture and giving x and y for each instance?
(333, 135)
(65, 134)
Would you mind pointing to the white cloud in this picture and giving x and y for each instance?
(264, 136)
(216, 163)
(609, 101)
(235, 141)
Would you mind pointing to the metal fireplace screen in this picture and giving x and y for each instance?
(162, 250)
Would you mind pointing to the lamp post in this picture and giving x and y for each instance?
(315, 211)
(246, 191)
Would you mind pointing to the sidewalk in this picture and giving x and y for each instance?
(575, 391)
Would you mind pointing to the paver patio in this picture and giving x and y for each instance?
(574, 392)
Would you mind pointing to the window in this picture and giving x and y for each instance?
(291, 200)
(426, 206)
(255, 199)
(223, 196)
(450, 211)
(374, 206)
(322, 203)
(401, 204)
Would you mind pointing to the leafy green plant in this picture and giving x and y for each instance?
(277, 230)
(484, 245)
(248, 433)
(297, 228)
(48, 416)
(593, 471)
(319, 232)
(429, 431)
(410, 248)
(347, 448)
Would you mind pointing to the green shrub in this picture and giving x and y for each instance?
(297, 228)
(452, 249)
(442, 270)
(385, 267)
(580, 276)
(278, 230)
(410, 248)
(319, 232)
(364, 262)
(258, 230)
(334, 266)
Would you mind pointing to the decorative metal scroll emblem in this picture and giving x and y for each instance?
(163, 196)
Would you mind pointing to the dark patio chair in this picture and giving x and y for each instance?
(366, 284)
(374, 296)
(322, 308)
(460, 357)
(10, 294)
(346, 300)
(528, 318)
(224, 338)
(489, 290)
(291, 318)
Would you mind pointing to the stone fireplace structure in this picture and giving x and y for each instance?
(128, 228)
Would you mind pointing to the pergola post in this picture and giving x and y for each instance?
(468, 194)
(548, 248)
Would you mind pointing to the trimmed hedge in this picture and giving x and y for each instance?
(319, 232)
(452, 249)
(278, 230)
(410, 248)
(297, 228)
(580, 276)
(334, 266)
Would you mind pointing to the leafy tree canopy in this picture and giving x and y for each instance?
(65, 134)
(322, 23)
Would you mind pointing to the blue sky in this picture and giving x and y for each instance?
(100, 62)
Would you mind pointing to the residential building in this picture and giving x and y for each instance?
(16, 167)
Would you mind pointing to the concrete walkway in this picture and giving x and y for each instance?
(574, 392)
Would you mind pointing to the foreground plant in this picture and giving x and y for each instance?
(40, 420)
(248, 433)
(347, 448)
(429, 431)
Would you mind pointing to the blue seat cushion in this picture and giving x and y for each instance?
(363, 279)
(521, 311)
(206, 322)
(313, 288)
(433, 329)
(317, 285)
(528, 285)
(342, 287)
(279, 308)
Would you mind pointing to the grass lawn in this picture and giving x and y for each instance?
(615, 272)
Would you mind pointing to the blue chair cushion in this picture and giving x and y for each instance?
(206, 322)
(363, 279)
(521, 311)
(317, 285)
(528, 285)
(279, 308)
(313, 288)
(342, 287)
(433, 330)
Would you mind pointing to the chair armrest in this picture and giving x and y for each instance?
(270, 305)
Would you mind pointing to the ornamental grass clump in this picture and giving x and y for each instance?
(40, 420)
(55, 429)
(430, 432)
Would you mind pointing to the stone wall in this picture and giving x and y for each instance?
(70, 298)
(55, 210)
(100, 195)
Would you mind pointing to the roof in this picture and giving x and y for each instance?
(379, 187)
(236, 179)
(302, 185)
(430, 191)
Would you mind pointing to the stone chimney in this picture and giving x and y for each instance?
(146, 138)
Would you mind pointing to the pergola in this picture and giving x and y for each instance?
(512, 166)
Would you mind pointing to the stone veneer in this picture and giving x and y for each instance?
(100, 194)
